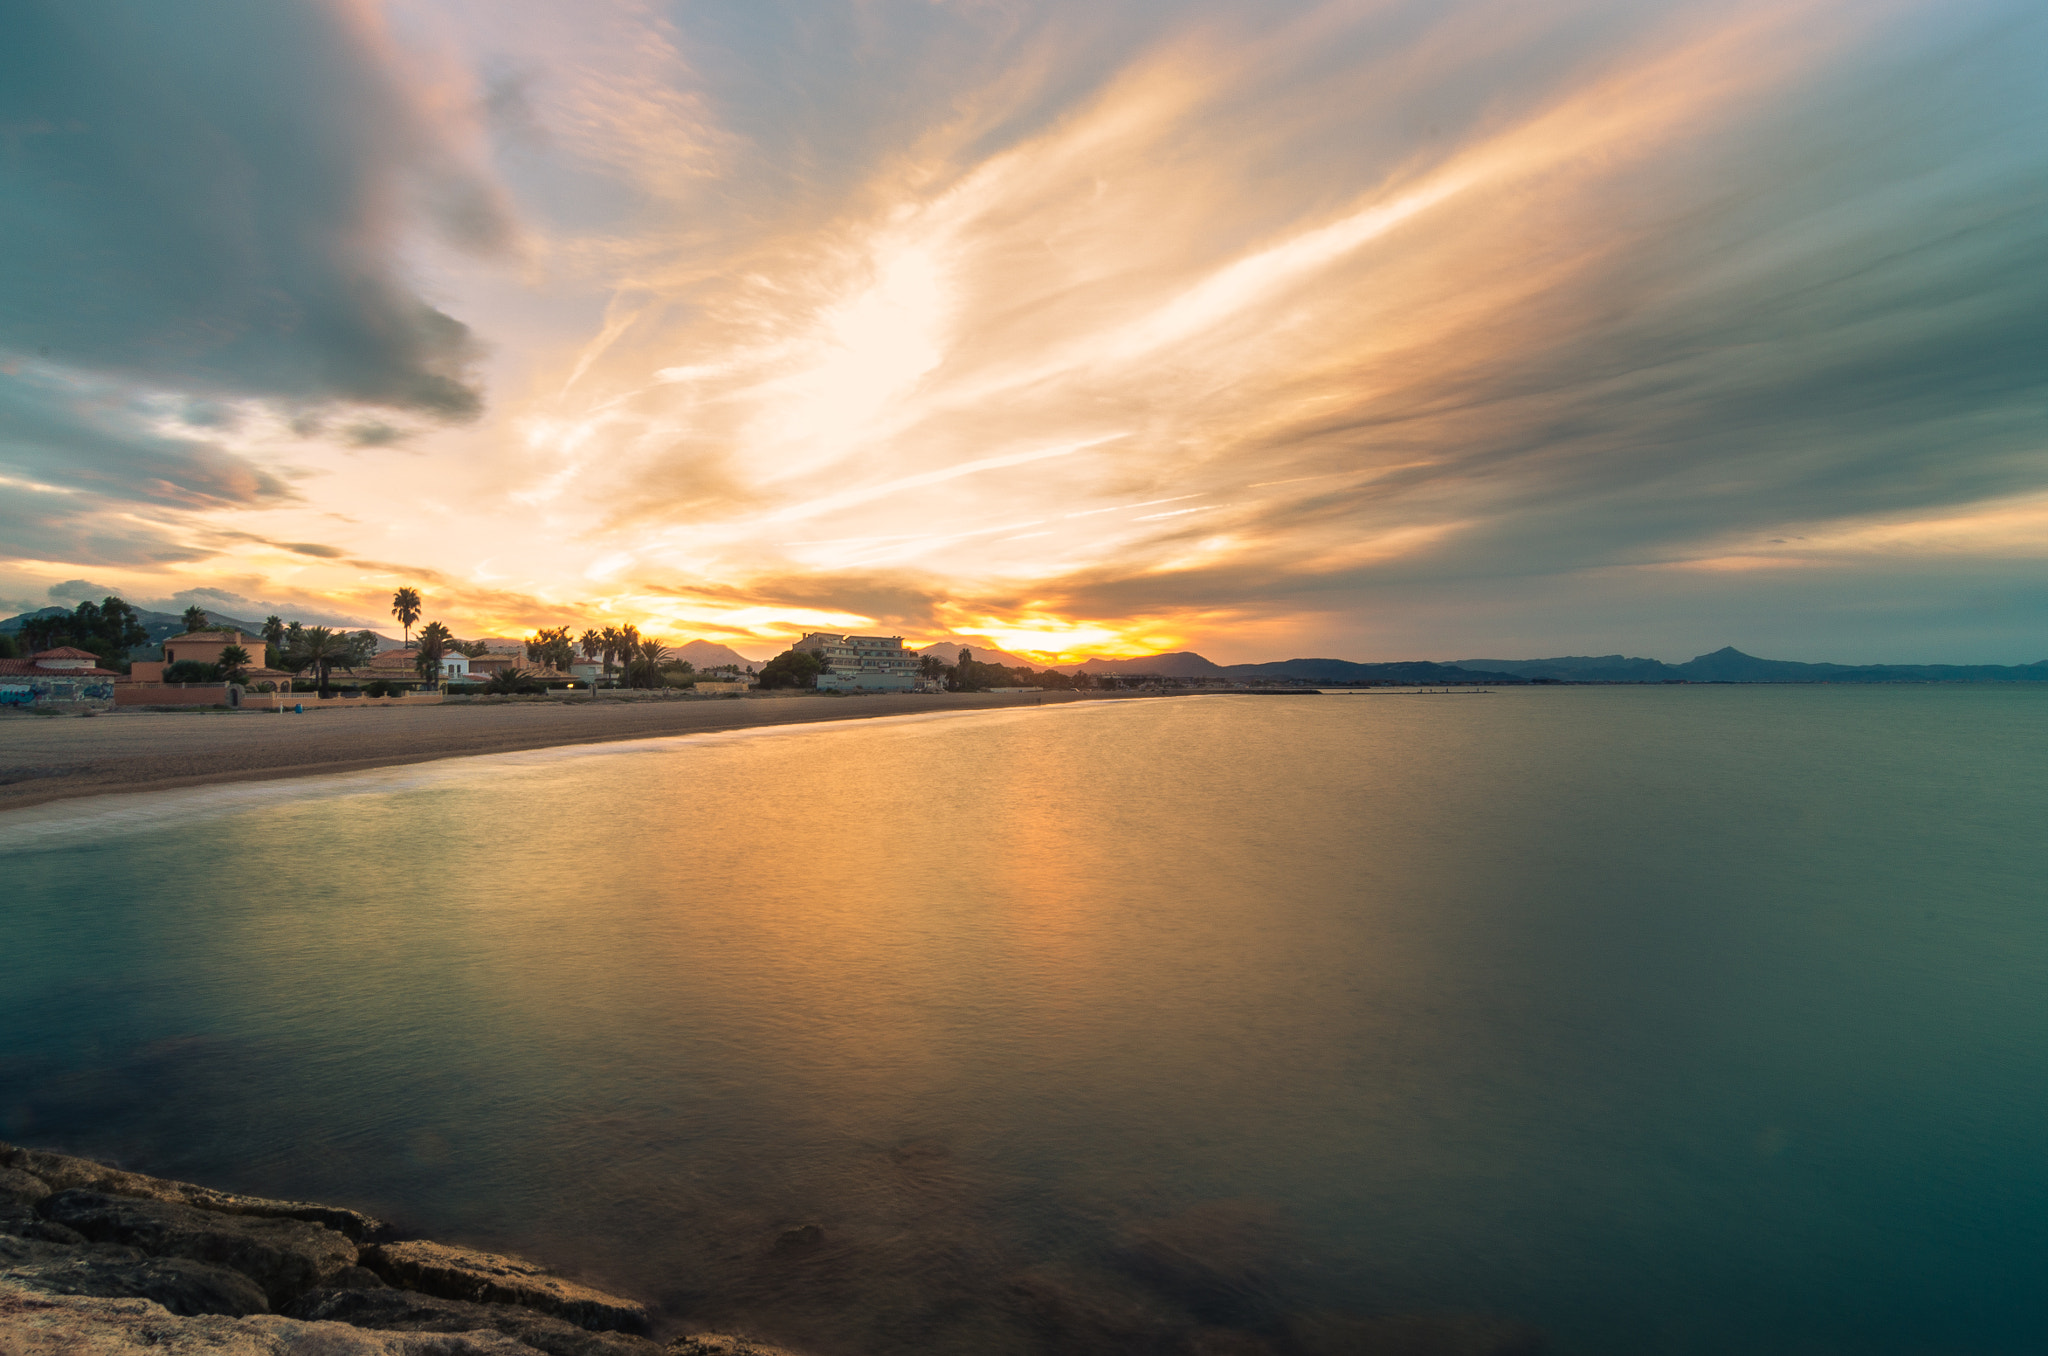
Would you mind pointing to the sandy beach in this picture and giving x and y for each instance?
(54, 758)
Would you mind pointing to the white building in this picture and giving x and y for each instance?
(862, 663)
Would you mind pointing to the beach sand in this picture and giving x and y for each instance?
(53, 758)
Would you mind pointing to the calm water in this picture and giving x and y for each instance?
(1670, 1020)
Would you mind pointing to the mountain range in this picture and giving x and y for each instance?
(1726, 665)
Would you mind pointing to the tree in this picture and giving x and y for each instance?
(357, 649)
(966, 673)
(233, 664)
(643, 663)
(195, 618)
(7, 647)
(318, 648)
(553, 646)
(793, 668)
(592, 644)
(435, 638)
(109, 629)
(273, 639)
(609, 642)
(405, 605)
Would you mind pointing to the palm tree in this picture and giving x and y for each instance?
(592, 643)
(405, 605)
(233, 661)
(273, 638)
(608, 641)
(318, 647)
(195, 618)
(435, 641)
(644, 668)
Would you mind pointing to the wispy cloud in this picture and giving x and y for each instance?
(1127, 326)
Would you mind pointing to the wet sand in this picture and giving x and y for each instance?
(54, 758)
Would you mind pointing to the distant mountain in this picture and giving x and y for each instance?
(1344, 671)
(705, 654)
(1730, 665)
(160, 625)
(1179, 664)
(948, 652)
(1611, 668)
(163, 625)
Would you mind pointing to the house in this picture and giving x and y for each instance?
(59, 677)
(862, 663)
(204, 647)
(399, 665)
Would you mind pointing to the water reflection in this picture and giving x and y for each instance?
(1190, 1026)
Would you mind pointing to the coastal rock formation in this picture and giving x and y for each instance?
(38, 1324)
(487, 1278)
(287, 1257)
(60, 1172)
(98, 1262)
(393, 1310)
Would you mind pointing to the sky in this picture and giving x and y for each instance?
(1362, 330)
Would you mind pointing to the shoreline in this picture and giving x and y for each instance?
(65, 758)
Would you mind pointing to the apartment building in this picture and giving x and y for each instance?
(862, 663)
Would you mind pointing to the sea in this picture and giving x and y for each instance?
(1602, 1020)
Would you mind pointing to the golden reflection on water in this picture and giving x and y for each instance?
(1139, 1026)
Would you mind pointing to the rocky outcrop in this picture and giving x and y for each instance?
(98, 1262)
(488, 1278)
(34, 1323)
(395, 1310)
(286, 1257)
(61, 1172)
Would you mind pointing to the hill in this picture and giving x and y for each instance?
(160, 625)
(948, 652)
(1730, 665)
(706, 654)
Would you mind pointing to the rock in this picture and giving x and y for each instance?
(37, 1324)
(409, 1311)
(804, 1238)
(1415, 1335)
(722, 1344)
(61, 1171)
(178, 1283)
(20, 1221)
(489, 1278)
(25, 1187)
(284, 1256)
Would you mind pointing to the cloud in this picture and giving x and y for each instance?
(81, 590)
(211, 198)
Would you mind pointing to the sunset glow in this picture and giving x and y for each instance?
(1366, 330)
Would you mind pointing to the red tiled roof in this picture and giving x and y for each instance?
(66, 652)
(28, 668)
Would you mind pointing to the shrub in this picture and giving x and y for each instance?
(191, 671)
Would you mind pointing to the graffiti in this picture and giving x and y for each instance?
(16, 694)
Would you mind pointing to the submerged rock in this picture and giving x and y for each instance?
(491, 1278)
(286, 1257)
